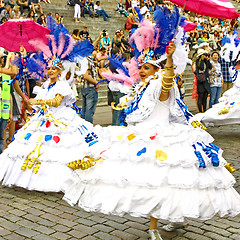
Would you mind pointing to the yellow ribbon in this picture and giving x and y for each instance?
(29, 162)
(230, 168)
(161, 156)
(224, 111)
(123, 104)
(84, 164)
(197, 124)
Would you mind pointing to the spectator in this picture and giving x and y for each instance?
(41, 20)
(8, 112)
(90, 3)
(23, 4)
(75, 35)
(105, 41)
(116, 41)
(84, 34)
(6, 13)
(89, 91)
(130, 22)
(121, 9)
(203, 66)
(35, 4)
(11, 3)
(102, 62)
(85, 9)
(77, 11)
(58, 18)
(192, 39)
(216, 80)
(31, 15)
(128, 4)
(15, 13)
(100, 11)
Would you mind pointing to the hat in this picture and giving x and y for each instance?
(118, 31)
(201, 52)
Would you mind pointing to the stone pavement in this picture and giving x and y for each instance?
(44, 216)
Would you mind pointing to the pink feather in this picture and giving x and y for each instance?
(144, 36)
(133, 69)
(118, 78)
(61, 45)
(54, 45)
(40, 46)
(70, 47)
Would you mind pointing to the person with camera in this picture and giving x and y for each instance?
(203, 66)
(216, 79)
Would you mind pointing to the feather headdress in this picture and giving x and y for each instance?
(61, 47)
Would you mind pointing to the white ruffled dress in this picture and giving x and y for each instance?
(51, 139)
(227, 111)
(151, 168)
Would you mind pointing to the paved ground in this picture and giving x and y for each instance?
(40, 216)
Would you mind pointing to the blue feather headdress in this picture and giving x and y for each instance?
(61, 47)
(150, 41)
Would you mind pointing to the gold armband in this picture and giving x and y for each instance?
(166, 83)
(168, 68)
(164, 76)
(38, 101)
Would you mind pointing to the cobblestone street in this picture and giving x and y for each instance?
(44, 216)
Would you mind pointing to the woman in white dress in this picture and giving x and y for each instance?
(55, 134)
(158, 166)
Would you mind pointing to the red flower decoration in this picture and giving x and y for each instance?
(56, 139)
(48, 124)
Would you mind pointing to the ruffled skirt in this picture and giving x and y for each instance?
(168, 172)
(37, 159)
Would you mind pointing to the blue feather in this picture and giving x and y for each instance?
(81, 49)
(182, 22)
(225, 40)
(118, 65)
(51, 24)
(34, 67)
(166, 24)
(140, 16)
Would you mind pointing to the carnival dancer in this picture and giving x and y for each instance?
(227, 111)
(158, 165)
(37, 158)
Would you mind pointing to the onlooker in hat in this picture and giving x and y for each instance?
(216, 79)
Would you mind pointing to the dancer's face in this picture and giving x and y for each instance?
(53, 72)
(147, 70)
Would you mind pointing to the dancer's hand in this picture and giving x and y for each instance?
(170, 49)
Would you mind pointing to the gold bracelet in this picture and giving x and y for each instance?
(172, 83)
(167, 88)
(168, 68)
(163, 75)
(164, 91)
(50, 103)
(38, 101)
